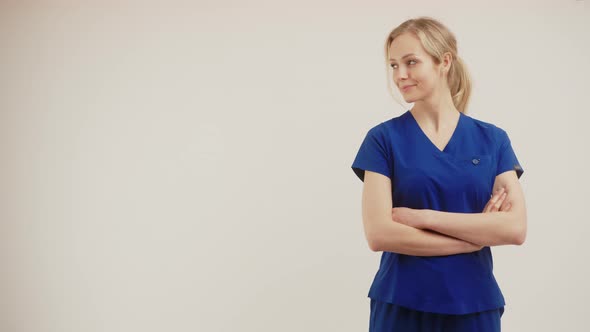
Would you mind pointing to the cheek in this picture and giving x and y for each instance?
(425, 82)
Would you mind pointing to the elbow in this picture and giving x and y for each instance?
(373, 236)
(519, 236)
(374, 247)
(382, 236)
(517, 229)
(376, 239)
(374, 243)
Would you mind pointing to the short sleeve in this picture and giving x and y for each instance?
(373, 155)
(506, 157)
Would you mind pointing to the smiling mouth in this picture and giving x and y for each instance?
(407, 87)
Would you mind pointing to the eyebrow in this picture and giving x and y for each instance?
(405, 56)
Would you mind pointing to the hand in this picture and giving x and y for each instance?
(498, 202)
(412, 217)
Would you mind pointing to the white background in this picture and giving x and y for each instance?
(185, 166)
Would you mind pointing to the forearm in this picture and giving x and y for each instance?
(485, 229)
(403, 239)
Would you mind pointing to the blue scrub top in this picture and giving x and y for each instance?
(459, 179)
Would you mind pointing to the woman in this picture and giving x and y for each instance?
(428, 177)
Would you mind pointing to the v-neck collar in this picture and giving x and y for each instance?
(429, 142)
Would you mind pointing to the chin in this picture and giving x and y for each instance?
(411, 98)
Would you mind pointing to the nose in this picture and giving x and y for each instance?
(400, 74)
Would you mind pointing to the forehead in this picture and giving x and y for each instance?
(405, 44)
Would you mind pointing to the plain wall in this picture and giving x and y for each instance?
(185, 166)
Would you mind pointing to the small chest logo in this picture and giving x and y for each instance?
(475, 161)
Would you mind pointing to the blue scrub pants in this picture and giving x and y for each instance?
(388, 317)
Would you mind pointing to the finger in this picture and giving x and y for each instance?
(493, 198)
(489, 203)
(505, 203)
(486, 209)
(499, 202)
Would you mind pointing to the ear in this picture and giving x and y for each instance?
(445, 64)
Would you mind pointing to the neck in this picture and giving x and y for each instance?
(437, 112)
(436, 119)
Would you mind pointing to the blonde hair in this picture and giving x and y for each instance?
(436, 39)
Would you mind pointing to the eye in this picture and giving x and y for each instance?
(393, 64)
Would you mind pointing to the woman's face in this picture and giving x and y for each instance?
(416, 70)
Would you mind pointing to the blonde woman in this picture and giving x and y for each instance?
(440, 188)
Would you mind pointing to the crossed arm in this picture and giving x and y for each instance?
(423, 232)
(485, 229)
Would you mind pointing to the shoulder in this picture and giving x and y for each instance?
(484, 125)
(392, 127)
(494, 132)
(386, 129)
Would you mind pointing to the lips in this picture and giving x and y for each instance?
(407, 87)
